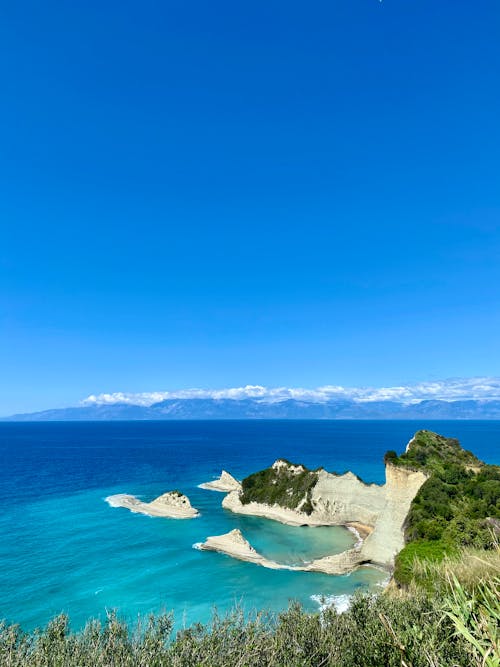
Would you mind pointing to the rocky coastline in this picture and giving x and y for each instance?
(375, 512)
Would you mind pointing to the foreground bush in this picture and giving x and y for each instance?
(384, 630)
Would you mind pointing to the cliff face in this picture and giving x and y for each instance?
(387, 539)
(343, 498)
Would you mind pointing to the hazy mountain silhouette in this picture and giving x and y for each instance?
(250, 408)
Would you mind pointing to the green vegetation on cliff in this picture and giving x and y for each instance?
(458, 506)
(432, 452)
(284, 483)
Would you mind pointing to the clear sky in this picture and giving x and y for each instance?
(211, 194)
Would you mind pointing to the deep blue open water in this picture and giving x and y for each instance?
(63, 548)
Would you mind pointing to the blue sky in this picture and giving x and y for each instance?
(220, 194)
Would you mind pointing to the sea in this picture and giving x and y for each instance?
(63, 548)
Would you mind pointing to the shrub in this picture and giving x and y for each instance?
(390, 457)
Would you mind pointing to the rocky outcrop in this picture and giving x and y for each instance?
(173, 505)
(235, 545)
(225, 483)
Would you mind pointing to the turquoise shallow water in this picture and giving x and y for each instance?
(64, 548)
(295, 545)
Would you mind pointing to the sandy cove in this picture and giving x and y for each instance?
(235, 545)
(360, 529)
(172, 505)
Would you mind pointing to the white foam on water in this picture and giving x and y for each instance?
(383, 583)
(340, 602)
(359, 539)
(197, 545)
(115, 501)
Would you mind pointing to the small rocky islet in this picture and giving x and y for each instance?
(172, 505)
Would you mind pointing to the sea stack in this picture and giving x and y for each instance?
(172, 505)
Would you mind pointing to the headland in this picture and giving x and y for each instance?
(383, 516)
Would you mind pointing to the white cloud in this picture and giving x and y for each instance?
(447, 390)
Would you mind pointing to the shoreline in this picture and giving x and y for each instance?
(284, 515)
(291, 517)
(361, 530)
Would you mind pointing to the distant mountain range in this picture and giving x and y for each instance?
(250, 408)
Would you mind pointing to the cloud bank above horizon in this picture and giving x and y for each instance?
(445, 390)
